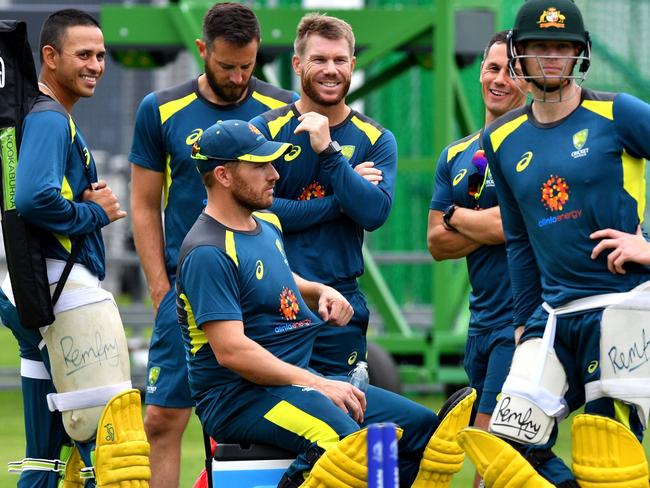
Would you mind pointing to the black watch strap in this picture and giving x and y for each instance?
(332, 148)
(446, 217)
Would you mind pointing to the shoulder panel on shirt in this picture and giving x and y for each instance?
(205, 232)
(368, 126)
(506, 125)
(271, 96)
(46, 104)
(278, 118)
(269, 217)
(171, 100)
(601, 103)
(459, 146)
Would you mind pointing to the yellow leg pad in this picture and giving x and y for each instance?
(499, 464)
(122, 450)
(443, 457)
(606, 454)
(344, 465)
(73, 465)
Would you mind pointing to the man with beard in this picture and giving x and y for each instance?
(569, 174)
(248, 329)
(168, 122)
(340, 182)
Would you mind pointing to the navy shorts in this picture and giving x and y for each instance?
(167, 383)
(487, 362)
(297, 418)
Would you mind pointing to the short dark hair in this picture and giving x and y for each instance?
(58, 22)
(233, 22)
(500, 37)
(331, 28)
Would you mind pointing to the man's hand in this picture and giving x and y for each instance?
(318, 127)
(157, 294)
(103, 196)
(369, 173)
(333, 307)
(348, 398)
(625, 248)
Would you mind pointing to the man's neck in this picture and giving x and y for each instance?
(552, 111)
(335, 113)
(231, 214)
(51, 88)
(208, 93)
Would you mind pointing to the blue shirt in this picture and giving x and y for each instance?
(244, 276)
(323, 204)
(54, 167)
(490, 301)
(557, 183)
(168, 123)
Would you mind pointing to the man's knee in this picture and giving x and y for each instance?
(164, 421)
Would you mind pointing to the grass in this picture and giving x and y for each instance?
(12, 431)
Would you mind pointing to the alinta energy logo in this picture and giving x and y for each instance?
(288, 304)
(312, 190)
(555, 195)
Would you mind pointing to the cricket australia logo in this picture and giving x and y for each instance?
(551, 17)
(154, 373)
(579, 141)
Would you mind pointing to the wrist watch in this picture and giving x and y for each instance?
(332, 148)
(446, 217)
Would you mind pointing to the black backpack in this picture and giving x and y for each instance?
(25, 261)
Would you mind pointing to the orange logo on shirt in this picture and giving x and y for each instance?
(312, 190)
(555, 193)
(288, 304)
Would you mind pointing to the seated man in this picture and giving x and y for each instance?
(249, 331)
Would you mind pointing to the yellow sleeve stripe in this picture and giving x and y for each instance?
(73, 129)
(602, 108)
(197, 337)
(170, 108)
(66, 192)
(167, 184)
(500, 134)
(268, 101)
(368, 129)
(634, 180)
(291, 418)
(269, 217)
(277, 124)
(460, 147)
(230, 247)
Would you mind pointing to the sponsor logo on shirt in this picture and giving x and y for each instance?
(288, 304)
(259, 269)
(459, 177)
(579, 140)
(555, 194)
(525, 160)
(312, 190)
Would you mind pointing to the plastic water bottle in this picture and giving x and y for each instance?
(359, 376)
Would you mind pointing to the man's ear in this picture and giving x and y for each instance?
(202, 47)
(296, 64)
(222, 175)
(49, 56)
